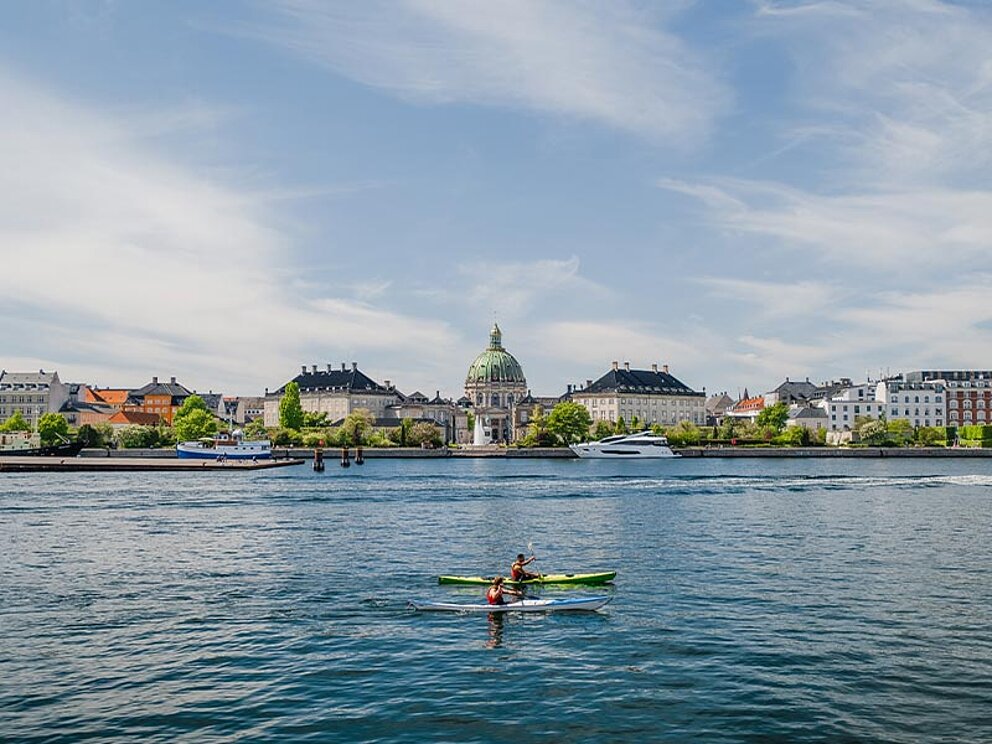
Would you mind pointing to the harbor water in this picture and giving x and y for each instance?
(757, 600)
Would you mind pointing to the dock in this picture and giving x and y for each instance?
(134, 464)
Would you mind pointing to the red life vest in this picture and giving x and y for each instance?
(517, 571)
(495, 595)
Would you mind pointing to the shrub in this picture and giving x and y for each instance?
(284, 437)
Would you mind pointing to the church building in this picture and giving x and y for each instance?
(495, 383)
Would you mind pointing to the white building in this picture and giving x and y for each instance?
(846, 405)
(921, 403)
(336, 392)
(653, 396)
(31, 393)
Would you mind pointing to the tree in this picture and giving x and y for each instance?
(193, 421)
(356, 425)
(900, 431)
(315, 419)
(928, 436)
(569, 422)
(796, 436)
(290, 410)
(255, 429)
(16, 422)
(731, 427)
(604, 429)
(424, 433)
(635, 423)
(537, 430)
(773, 417)
(685, 432)
(88, 436)
(136, 437)
(53, 428)
(620, 427)
(873, 432)
(405, 426)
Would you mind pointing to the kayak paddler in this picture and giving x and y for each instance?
(496, 590)
(517, 572)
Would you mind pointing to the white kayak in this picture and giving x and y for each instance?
(523, 605)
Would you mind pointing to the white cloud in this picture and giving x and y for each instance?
(515, 288)
(912, 81)
(901, 230)
(609, 63)
(776, 299)
(153, 267)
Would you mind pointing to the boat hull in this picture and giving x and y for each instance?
(577, 579)
(593, 452)
(574, 604)
(193, 451)
(70, 449)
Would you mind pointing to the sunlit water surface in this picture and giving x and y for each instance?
(757, 600)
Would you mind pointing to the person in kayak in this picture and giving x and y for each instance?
(517, 572)
(496, 591)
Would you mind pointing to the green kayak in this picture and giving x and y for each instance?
(577, 578)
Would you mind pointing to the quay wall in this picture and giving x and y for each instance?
(562, 453)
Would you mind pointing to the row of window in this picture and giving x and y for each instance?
(24, 398)
(966, 404)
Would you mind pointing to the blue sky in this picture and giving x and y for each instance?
(224, 191)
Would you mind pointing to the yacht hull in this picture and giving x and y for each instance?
(595, 452)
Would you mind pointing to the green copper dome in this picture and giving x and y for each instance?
(495, 364)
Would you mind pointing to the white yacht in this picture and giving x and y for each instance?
(626, 446)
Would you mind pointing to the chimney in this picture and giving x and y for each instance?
(570, 387)
(437, 394)
(342, 366)
(354, 366)
(664, 368)
(654, 368)
(387, 384)
(314, 368)
(304, 369)
(172, 381)
(266, 391)
(616, 365)
(626, 366)
(328, 367)
(154, 381)
(588, 383)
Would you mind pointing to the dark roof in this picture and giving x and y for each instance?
(212, 400)
(641, 381)
(178, 392)
(78, 406)
(796, 388)
(808, 412)
(417, 397)
(336, 379)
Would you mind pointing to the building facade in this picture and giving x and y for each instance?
(451, 420)
(494, 384)
(654, 396)
(968, 394)
(845, 405)
(32, 394)
(162, 399)
(921, 403)
(335, 392)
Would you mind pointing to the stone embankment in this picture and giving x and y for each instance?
(331, 453)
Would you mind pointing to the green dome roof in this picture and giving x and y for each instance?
(495, 364)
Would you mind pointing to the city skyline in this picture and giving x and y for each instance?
(225, 193)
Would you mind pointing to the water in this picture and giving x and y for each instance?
(757, 601)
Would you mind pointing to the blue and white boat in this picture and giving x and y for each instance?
(225, 448)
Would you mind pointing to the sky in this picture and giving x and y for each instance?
(741, 190)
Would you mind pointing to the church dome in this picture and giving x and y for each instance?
(495, 364)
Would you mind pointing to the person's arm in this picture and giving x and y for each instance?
(530, 560)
